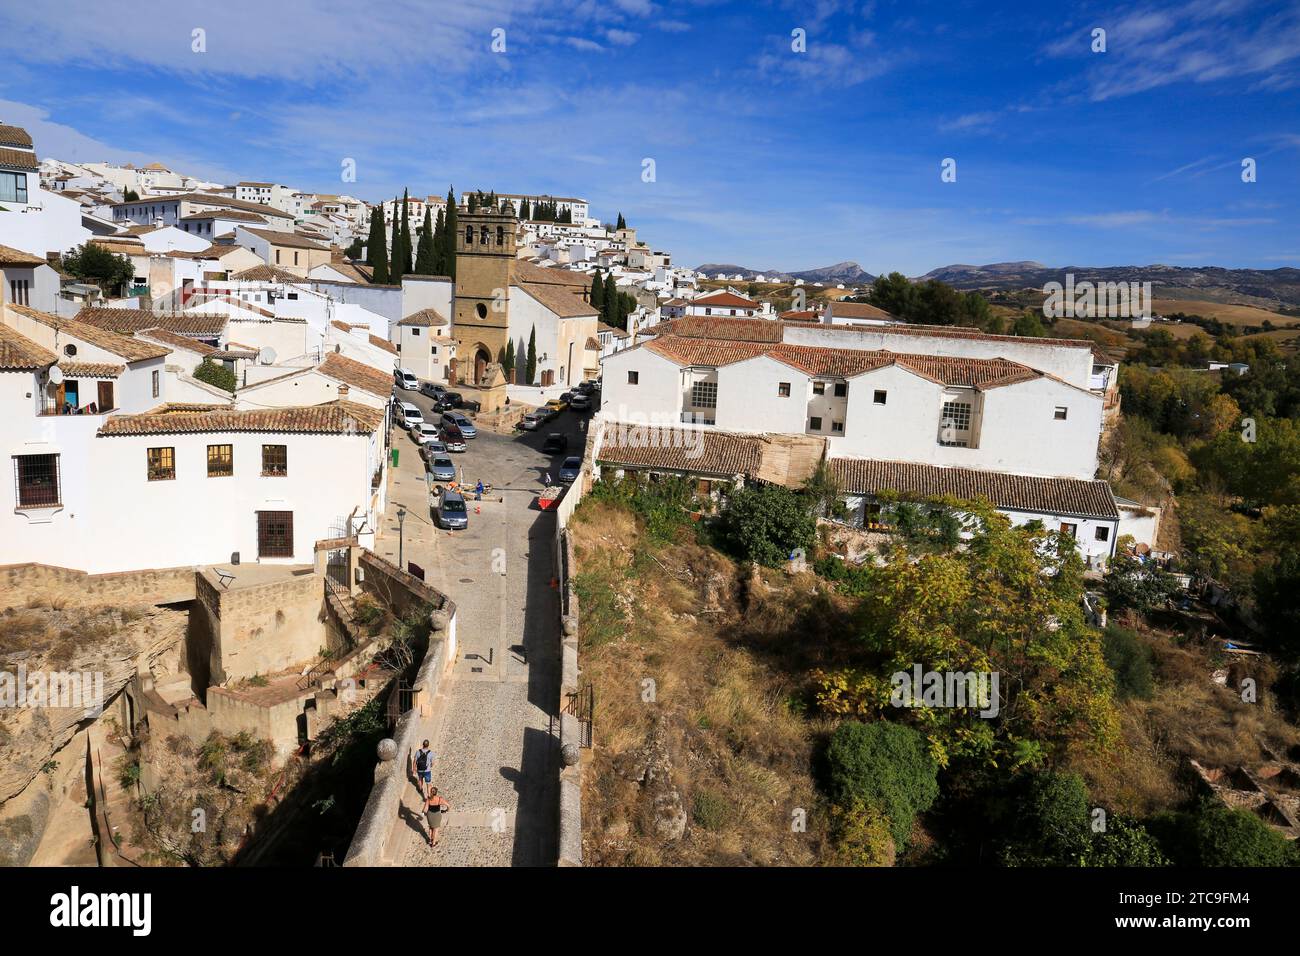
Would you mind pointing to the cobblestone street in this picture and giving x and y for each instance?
(491, 723)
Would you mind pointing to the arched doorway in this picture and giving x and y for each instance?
(481, 359)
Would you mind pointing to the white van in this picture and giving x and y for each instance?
(405, 379)
(408, 415)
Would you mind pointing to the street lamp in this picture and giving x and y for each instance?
(401, 518)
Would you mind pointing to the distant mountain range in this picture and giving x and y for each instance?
(1264, 288)
(849, 273)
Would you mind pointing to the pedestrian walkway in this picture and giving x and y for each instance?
(490, 725)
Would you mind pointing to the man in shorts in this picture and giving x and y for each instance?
(423, 766)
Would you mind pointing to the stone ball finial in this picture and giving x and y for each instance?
(387, 749)
(569, 755)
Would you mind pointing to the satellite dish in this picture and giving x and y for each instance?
(56, 375)
(266, 356)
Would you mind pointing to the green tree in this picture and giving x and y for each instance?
(1131, 583)
(530, 366)
(766, 523)
(448, 265)
(96, 264)
(598, 293)
(424, 257)
(893, 293)
(437, 261)
(508, 362)
(1029, 323)
(354, 249)
(130, 195)
(376, 248)
(609, 302)
(1129, 659)
(216, 375)
(622, 223)
(884, 765)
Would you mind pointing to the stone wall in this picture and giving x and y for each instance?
(260, 629)
(43, 583)
(570, 809)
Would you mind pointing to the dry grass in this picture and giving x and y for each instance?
(1187, 717)
(740, 753)
(59, 636)
(1224, 312)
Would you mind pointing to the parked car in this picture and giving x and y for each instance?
(433, 391)
(442, 469)
(587, 387)
(408, 415)
(556, 405)
(460, 421)
(423, 432)
(448, 400)
(570, 469)
(580, 403)
(556, 442)
(531, 420)
(471, 405)
(433, 449)
(566, 397)
(450, 511)
(453, 439)
(406, 379)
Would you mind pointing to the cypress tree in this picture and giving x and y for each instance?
(609, 301)
(597, 293)
(395, 250)
(435, 247)
(449, 237)
(622, 223)
(424, 258)
(525, 210)
(377, 251)
(508, 363)
(407, 248)
(530, 368)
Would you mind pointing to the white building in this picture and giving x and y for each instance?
(941, 408)
(135, 482)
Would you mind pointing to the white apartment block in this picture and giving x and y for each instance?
(932, 410)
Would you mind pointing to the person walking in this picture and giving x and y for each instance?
(434, 807)
(424, 768)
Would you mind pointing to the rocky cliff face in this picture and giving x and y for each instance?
(113, 641)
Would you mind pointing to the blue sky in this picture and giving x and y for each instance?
(764, 156)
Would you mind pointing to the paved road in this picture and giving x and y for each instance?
(497, 761)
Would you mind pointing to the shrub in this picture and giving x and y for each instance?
(766, 523)
(1228, 837)
(860, 834)
(216, 375)
(883, 765)
(1124, 844)
(1129, 658)
(1131, 583)
(711, 809)
(1049, 821)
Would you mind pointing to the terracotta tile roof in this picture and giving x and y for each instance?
(265, 273)
(16, 257)
(133, 350)
(725, 328)
(1071, 497)
(844, 363)
(18, 159)
(593, 342)
(18, 352)
(695, 451)
(564, 304)
(118, 245)
(550, 275)
(341, 326)
(130, 321)
(961, 332)
(357, 374)
(807, 315)
(384, 344)
(91, 369)
(723, 299)
(15, 136)
(234, 215)
(331, 418)
(425, 318)
(349, 270)
(175, 341)
(859, 310)
(287, 239)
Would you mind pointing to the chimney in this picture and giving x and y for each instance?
(343, 391)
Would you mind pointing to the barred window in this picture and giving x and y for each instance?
(275, 460)
(221, 461)
(704, 394)
(815, 424)
(36, 481)
(819, 388)
(275, 534)
(841, 389)
(954, 421)
(783, 389)
(161, 464)
(837, 428)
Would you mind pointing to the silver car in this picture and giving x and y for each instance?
(570, 470)
(442, 469)
(433, 449)
(450, 512)
(530, 421)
